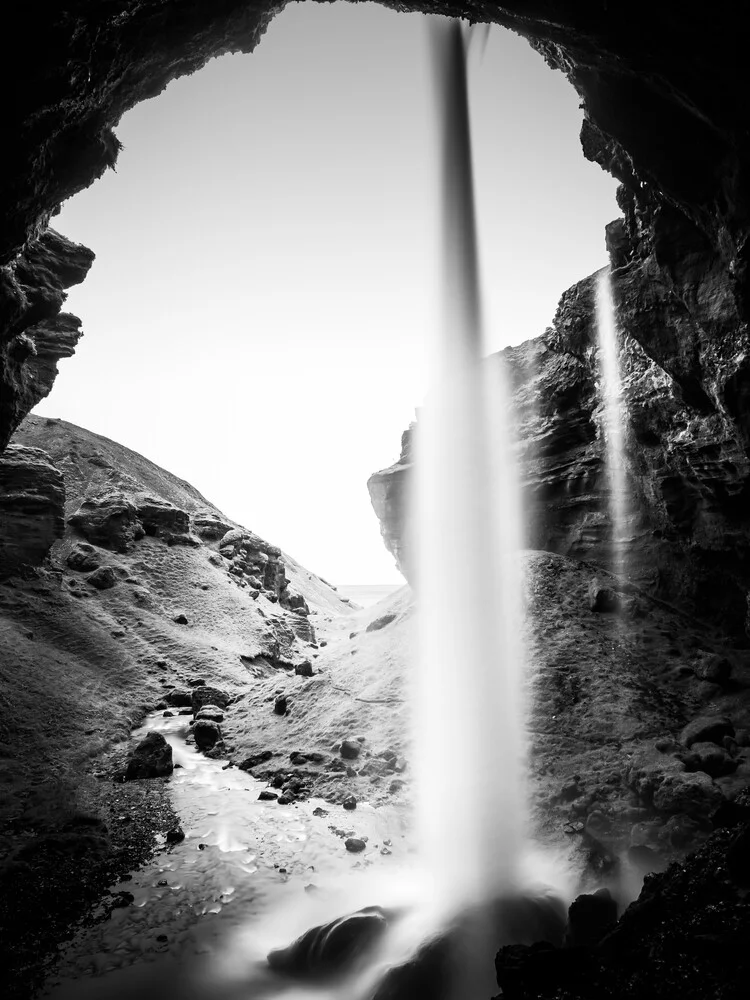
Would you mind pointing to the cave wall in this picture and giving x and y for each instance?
(664, 105)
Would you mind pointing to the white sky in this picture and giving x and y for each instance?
(265, 279)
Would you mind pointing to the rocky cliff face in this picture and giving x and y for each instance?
(32, 497)
(35, 333)
(684, 358)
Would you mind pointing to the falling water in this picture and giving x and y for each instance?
(468, 732)
(611, 390)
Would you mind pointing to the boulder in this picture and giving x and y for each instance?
(694, 794)
(160, 518)
(304, 669)
(255, 759)
(108, 519)
(32, 499)
(713, 668)
(706, 729)
(205, 695)
(151, 758)
(355, 845)
(349, 802)
(209, 524)
(603, 599)
(350, 749)
(206, 734)
(281, 704)
(103, 578)
(179, 698)
(713, 760)
(83, 558)
(330, 949)
(211, 712)
(381, 622)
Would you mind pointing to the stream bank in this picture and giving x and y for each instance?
(241, 859)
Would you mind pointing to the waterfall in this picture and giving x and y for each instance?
(468, 743)
(611, 394)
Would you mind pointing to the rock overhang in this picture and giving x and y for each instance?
(664, 112)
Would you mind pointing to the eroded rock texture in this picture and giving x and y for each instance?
(684, 356)
(34, 333)
(32, 498)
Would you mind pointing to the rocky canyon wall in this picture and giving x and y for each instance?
(685, 381)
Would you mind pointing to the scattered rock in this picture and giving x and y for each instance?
(350, 749)
(208, 524)
(712, 759)
(716, 669)
(206, 734)
(152, 758)
(168, 714)
(211, 712)
(83, 558)
(694, 794)
(267, 796)
(103, 578)
(706, 729)
(331, 948)
(161, 519)
(179, 698)
(254, 760)
(109, 519)
(379, 623)
(205, 695)
(602, 599)
(285, 799)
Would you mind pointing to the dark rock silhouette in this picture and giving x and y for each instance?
(332, 948)
(151, 758)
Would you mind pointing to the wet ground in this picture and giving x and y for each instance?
(249, 875)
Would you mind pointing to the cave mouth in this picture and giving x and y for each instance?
(268, 239)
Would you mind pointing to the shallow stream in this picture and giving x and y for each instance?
(249, 876)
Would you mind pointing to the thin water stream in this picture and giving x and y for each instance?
(249, 876)
(613, 417)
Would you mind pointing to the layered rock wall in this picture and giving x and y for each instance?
(32, 502)
(684, 358)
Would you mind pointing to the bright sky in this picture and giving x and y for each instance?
(265, 280)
